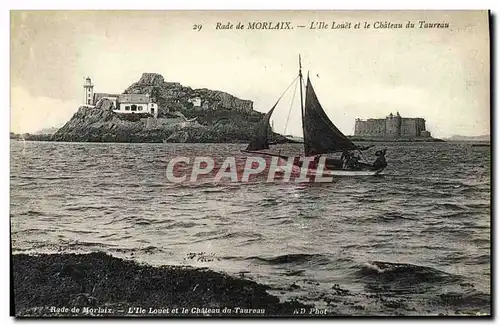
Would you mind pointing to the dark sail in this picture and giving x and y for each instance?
(320, 134)
(260, 140)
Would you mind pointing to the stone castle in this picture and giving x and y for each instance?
(393, 126)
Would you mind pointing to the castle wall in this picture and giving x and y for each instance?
(370, 127)
(412, 127)
(420, 126)
(408, 128)
(391, 127)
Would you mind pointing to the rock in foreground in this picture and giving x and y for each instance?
(98, 284)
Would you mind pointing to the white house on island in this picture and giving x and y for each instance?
(196, 101)
(121, 103)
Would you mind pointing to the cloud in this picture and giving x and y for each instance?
(30, 114)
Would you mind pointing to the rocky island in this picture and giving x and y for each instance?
(183, 115)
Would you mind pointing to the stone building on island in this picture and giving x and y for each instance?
(393, 126)
(121, 103)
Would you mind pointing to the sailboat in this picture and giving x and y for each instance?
(320, 137)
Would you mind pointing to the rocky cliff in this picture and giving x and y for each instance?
(172, 96)
(100, 124)
(227, 119)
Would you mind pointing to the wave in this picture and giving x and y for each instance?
(181, 225)
(482, 242)
(150, 250)
(133, 185)
(394, 216)
(81, 231)
(370, 200)
(448, 229)
(34, 213)
(291, 259)
(32, 230)
(468, 190)
(178, 208)
(478, 260)
(449, 184)
(200, 185)
(59, 177)
(456, 215)
(243, 234)
(372, 245)
(246, 236)
(79, 244)
(89, 207)
(139, 200)
(214, 190)
(267, 202)
(23, 184)
(464, 300)
(133, 251)
(452, 206)
(402, 278)
(165, 223)
(479, 205)
(115, 236)
(143, 221)
(299, 272)
(283, 221)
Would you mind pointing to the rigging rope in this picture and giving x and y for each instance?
(290, 110)
(286, 89)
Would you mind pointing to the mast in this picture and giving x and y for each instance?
(301, 96)
(302, 105)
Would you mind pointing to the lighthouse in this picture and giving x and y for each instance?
(88, 88)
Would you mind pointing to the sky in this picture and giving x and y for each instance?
(442, 75)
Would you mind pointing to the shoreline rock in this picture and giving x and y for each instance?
(101, 124)
(97, 284)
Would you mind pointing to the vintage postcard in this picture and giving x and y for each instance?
(250, 163)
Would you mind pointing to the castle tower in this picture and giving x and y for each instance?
(393, 126)
(357, 127)
(88, 91)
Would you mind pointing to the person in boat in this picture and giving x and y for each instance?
(380, 161)
(351, 163)
(346, 155)
(354, 162)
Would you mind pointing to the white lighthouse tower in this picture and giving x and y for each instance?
(88, 88)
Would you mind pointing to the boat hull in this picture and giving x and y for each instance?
(336, 173)
(332, 167)
(347, 173)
